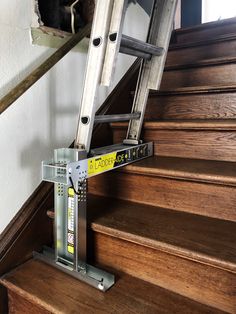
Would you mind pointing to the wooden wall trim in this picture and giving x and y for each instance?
(3, 300)
(19, 221)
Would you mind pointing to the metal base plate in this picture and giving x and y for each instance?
(93, 276)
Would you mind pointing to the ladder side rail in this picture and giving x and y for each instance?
(114, 40)
(141, 91)
(160, 23)
(164, 25)
(96, 54)
(139, 45)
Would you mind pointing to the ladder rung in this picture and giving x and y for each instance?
(117, 117)
(136, 44)
(135, 53)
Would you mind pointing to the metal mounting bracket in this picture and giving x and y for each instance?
(69, 171)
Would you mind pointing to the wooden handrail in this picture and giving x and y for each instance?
(33, 77)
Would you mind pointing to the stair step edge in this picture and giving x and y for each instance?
(166, 230)
(194, 90)
(205, 26)
(179, 175)
(224, 125)
(219, 38)
(159, 245)
(201, 63)
(165, 247)
(124, 294)
(26, 295)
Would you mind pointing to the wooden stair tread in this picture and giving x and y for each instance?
(202, 63)
(219, 38)
(212, 171)
(207, 240)
(227, 125)
(204, 27)
(57, 292)
(213, 24)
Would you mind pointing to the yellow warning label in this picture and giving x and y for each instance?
(101, 163)
(70, 249)
(70, 221)
(71, 192)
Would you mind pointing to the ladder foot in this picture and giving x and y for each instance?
(132, 142)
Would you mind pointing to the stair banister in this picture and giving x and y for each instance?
(36, 74)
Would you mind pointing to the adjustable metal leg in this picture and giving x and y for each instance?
(69, 173)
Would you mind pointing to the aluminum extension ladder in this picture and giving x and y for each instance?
(70, 168)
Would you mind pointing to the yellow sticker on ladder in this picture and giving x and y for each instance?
(101, 163)
(70, 249)
(70, 221)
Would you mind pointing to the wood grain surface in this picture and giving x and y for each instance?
(58, 293)
(192, 197)
(205, 31)
(197, 281)
(209, 171)
(204, 73)
(202, 239)
(211, 140)
(20, 305)
(185, 53)
(194, 106)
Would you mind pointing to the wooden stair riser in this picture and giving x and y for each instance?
(205, 31)
(52, 291)
(211, 50)
(192, 106)
(205, 199)
(213, 74)
(198, 144)
(18, 304)
(203, 283)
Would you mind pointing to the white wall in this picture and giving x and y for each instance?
(43, 118)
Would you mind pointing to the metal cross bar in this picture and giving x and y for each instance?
(136, 44)
(117, 117)
(135, 53)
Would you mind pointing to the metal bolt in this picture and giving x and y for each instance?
(100, 286)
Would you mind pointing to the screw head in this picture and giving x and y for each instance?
(100, 286)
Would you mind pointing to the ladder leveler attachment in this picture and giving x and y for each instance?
(71, 168)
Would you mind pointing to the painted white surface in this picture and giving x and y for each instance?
(213, 10)
(44, 117)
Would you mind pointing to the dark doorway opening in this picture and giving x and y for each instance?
(66, 15)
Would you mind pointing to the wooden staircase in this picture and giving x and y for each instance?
(166, 226)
